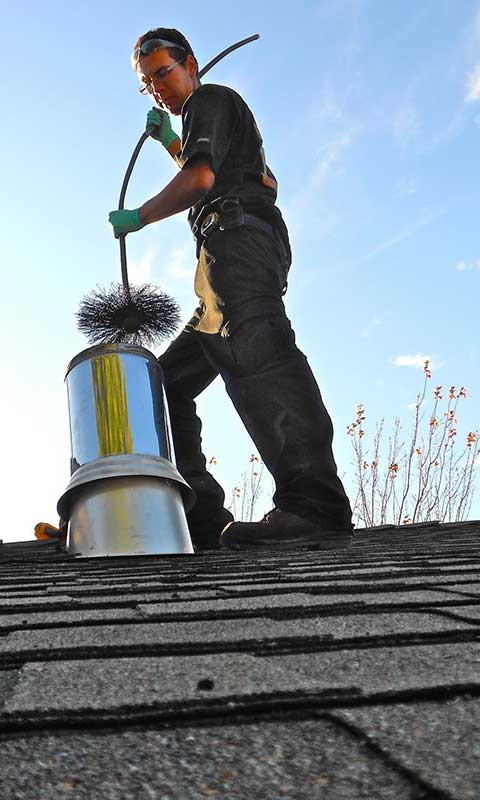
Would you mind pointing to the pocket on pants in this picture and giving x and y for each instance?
(260, 343)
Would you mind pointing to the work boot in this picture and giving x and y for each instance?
(281, 530)
(205, 535)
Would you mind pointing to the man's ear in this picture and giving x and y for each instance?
(192, 66)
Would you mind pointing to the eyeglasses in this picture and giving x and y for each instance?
(151, 46)
(159, 74)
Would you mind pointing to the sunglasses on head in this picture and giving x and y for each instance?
(151, 46)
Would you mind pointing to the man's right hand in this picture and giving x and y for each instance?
(159, 121)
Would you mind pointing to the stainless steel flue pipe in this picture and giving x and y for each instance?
(125, 496)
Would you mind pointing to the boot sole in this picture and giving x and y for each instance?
(311, 541)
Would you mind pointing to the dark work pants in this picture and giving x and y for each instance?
(240, 278)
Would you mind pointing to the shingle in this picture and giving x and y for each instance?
(68, 640)
(17, 579)
(108, 683)
(465, 612)
(438, 740)
(391, 669)
(288, 600)
(23, 593)
(319, 587)
(373, 571)
(122, 595)
(193, 604)
(312, 760)
(8, 679)
(466, 588)
(112, 683)
(36, 602)
(332, 585)
(53, 617)
(78, 590)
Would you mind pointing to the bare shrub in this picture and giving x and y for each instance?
(248, 490)
(429, 478)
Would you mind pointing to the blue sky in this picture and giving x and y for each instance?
(370, 113)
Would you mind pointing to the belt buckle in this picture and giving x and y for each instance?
(210, 222)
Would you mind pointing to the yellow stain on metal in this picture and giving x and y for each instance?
(111, 406)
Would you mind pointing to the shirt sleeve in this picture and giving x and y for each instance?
(209, 121)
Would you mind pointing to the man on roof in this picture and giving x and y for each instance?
(239, 329)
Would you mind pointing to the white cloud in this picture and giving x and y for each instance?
(452, 129)
(180, 262)
(476, 26)
(417, 361)
(177, 263)
(326, 167)
(325, 107)
(366, 332)
(405, 187)
(425, 219)
(463, 266)
(406, 125)
(473, 92)
(237, 79)
(329, 155)
(140, 269)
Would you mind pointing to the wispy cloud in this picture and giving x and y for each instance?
(176, 263)
(456, 77)
(327, 166)
(406, 124)
(473, 87)
(427, 218)
(180, 262)
(237, 79)
(417, 361)
(370, 327)
(471, 46)
(464, 266)
(140, 269)
(405, 187)
(326, 106)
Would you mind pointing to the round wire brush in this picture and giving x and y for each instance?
(148, 316)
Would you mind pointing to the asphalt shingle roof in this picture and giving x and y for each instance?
(350, 674)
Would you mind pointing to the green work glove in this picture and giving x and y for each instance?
(159, 123)
(125, 221)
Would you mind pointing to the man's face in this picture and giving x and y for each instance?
(173, 89)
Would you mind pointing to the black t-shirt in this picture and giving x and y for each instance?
(218, 124)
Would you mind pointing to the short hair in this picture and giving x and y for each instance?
(171, 35)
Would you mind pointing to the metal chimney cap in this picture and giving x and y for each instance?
(108, 349)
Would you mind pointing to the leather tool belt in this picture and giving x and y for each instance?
(228, 214)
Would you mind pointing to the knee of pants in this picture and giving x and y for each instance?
(182, 410)
(260, 343)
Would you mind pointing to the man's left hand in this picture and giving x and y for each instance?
(125, 221)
